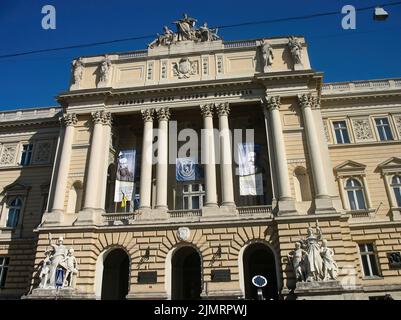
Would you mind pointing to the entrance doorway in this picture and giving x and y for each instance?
(115, 275)
(258, 259)
(186, 274)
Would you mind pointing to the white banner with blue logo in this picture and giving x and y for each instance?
(125, 175)
(188, 169)
(250, 176)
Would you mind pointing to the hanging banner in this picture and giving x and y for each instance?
(125, 176)
(187, 169)
(250, 175)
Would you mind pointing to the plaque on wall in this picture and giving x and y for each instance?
(222, 275)
(394, 259)
(147, 277)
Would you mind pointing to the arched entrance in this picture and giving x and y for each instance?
(258, 259)
(186, 274)
(115, 275)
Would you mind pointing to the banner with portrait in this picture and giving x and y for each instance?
(125, 176)
(187, 169)
(249, 171)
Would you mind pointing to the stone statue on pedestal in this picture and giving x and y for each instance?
(105, 70)
(78, 71)
(312, 259)
(267, 52)
(55, 258)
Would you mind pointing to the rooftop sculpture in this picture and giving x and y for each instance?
(186, 31)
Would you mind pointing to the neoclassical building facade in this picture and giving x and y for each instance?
(326, 159)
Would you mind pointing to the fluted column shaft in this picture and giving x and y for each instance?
(284, 191)
(319, 178)
(163, 116)
(208, 155)
(226, 172)
(92, 185)
(146, 163)
(69, 120)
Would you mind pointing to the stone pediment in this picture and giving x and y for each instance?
(350, 167)
(392, 165)
(16, 188)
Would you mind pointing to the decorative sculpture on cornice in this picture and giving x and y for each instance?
(147, 114)
(296, 50)
(223, 109)
(78, 71)
(186, 31)
(273, 102)
(69, 119)
(267, 52)
(163, 114)
(207, 110)
(104, 70)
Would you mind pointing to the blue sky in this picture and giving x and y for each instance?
(370, 51)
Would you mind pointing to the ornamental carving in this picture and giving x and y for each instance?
(69, 119)
(207, 110)
(296, 50)
(306, 100)
(101, 117)
(398, 125)
(273, 102)
(147, 114)
(223, 109)
(163, 114)
(326, 131)
(185, 68)
(42, 152)
(186, 31)
(183, 233)
(362, 129)
(8, 154)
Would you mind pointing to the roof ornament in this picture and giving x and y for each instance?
(186, 31)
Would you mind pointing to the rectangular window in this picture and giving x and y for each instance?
(397, 192)
(383, 129)
(4, 262)
(193, 196)
(341, 131)
(368, 258)
(26, 154)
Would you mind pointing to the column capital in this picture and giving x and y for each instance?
(163, 114)
(273, 102)
(102, 117)
(207, 110)
(223, 109)
(309, 101)
(147, 115)
(69, 119)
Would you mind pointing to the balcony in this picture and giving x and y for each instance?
(126, 218)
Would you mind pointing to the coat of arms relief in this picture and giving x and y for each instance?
(185, 68)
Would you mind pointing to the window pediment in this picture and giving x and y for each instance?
(350, 168)
(16, 188)
(390, 166)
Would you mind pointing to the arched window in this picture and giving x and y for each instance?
(396, 185)
(301, 184)
(75, 198)
(14, 211)
(356, 197)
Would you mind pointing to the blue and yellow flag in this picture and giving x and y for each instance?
(124, 201)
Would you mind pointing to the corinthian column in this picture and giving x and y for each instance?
(227, 188)
(322, 198)
(163, 115)
(146, 163)
(107, 124)
(284, 191)
(69, 121)
(208, 155)
(94, 179)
